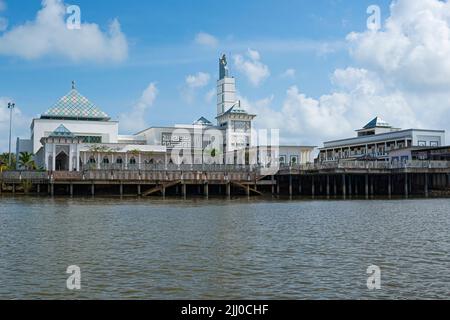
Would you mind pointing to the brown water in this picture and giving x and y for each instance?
(220, 249)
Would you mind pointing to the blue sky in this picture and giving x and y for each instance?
(162, 49)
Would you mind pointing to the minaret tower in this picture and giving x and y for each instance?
(231, 116)
(226, 88)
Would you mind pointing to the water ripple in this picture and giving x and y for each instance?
(216, 249)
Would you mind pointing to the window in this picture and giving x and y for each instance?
(282, 159)
(105, 160)
(434, 143)
(90, 139)
(241, 125)
(132, 160)
(119, 160)
(422, 143)
(92, 160)
(294, 160)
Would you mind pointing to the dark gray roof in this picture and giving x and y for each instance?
(377, 123)
(203, 121)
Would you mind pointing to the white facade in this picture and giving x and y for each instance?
(107, 131)
(292, 155)
(375, 142)
(226, 94)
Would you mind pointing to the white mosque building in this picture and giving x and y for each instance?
(75, 134)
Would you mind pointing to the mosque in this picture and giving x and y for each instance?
(75, 134)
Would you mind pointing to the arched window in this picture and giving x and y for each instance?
(132, 160)
(92, 160)
(105, 160)
(119, 160)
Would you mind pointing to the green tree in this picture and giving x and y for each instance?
(4, 160)
(26, 161)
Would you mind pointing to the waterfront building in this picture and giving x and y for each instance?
(376, 140)
(420, 154)
(76, 134)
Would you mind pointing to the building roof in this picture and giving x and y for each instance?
(407, 133)
(203, 122)
(74, 106)
(377, 123)
(236, 109)
(62, 131)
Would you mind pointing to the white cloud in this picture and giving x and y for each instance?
(252, 67)
(134, 120)
(206, 39)
(48, 35)
(192, 84)
(21, 125)
(289, 73)
(359, 96)
(413, 48)
(402, 75)
(199, 80)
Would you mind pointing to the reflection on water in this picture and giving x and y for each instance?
(219, 249)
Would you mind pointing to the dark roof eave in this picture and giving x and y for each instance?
(47, 117)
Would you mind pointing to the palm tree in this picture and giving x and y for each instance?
(4, 160)
(3, 166)
(26, 161)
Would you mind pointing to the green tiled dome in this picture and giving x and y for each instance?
(75, 106)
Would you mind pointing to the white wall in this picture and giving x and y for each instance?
(108, 130)
(303, 154)
(226, 94)
(428, 138)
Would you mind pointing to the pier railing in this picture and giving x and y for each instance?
(19, 176)
(369, 165)
(207, 172)
(171, 167)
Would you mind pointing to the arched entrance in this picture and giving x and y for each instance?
(62, 162)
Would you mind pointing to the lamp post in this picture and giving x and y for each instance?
(11, 106)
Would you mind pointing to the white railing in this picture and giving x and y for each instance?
(17, 176)
(369, 165)
(175, 171)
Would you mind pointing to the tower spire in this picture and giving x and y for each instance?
(73, 85)
(223, 67)
(226, 87)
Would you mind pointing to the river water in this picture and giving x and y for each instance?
(223, 249)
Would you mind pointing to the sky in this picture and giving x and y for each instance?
(312, 69)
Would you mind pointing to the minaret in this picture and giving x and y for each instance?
(226, 88)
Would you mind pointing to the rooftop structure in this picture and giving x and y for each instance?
(376, 139)
(74, 106)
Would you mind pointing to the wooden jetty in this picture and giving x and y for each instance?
(336, 179)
